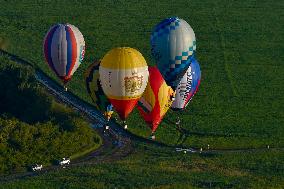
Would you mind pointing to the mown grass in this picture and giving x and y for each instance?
(239, 47)
(151, 167)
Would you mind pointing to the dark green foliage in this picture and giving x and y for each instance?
(33, 127)
(20, 94)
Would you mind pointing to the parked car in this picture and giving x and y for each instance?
(64, 161)
(37, 167)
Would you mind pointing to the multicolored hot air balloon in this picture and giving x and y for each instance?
(156, 100)
(173, 44)
(64, 50)
(124, 76)
(93, 85)
(188, 86)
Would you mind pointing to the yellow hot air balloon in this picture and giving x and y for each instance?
(124, 76)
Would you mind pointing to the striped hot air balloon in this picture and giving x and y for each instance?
(124, 76)
(173, 44)
(156, 99)
(188, 86)
(64, 50)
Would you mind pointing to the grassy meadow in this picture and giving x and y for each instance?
(239, 47)
(152, 167)
(240, 104)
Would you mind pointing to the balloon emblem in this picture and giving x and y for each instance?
(124, 76)
(173, 45)
(64, 50)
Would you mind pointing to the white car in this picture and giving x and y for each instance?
(36, 167)
(64, 161)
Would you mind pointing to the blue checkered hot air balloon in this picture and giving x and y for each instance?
(173, 45)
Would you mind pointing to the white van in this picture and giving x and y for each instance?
(64, 161)
(37, 167)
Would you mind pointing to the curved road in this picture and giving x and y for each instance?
(116, 145)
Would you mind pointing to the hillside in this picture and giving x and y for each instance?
(34, 128)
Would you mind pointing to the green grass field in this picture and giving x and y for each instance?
(239, 47)
(240, 104)
(159, 168)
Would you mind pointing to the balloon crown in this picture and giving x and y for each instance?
(166, 22)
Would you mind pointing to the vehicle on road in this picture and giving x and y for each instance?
(37, 167)
(64, 161)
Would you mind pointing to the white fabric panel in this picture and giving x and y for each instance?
(80, 44)
(190, 37)
(145, 104)
(119, 82)
(57, 48)
(183, 90)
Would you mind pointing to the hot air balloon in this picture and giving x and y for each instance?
(188, 86)
(156, 99)
(173, 45)
(94, 89)
(64, 50)
(124, 76)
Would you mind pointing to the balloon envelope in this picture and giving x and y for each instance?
(64, 50)
(173, 43)
(156, 99)
(196, 77)
(94, 88)
(188, 86)
(124, 76)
